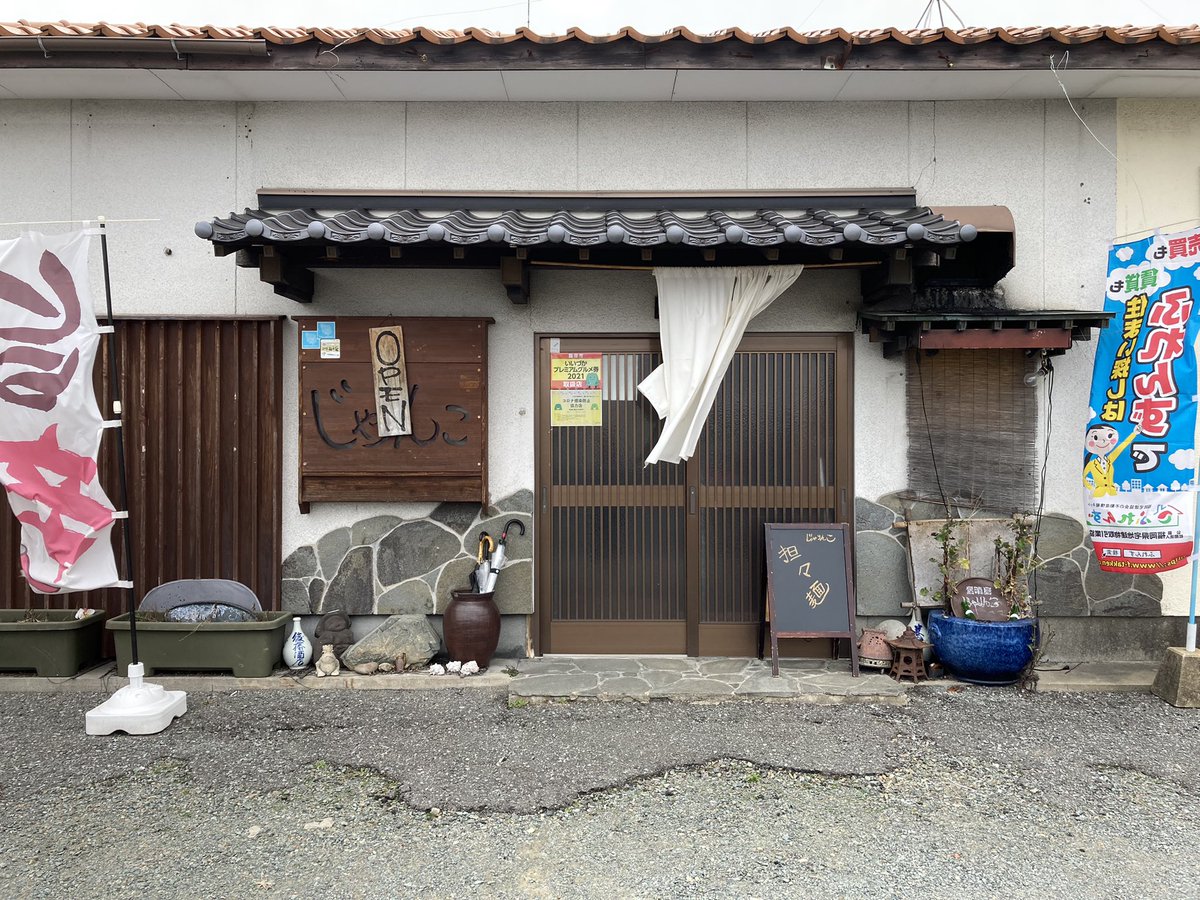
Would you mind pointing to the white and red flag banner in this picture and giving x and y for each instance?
(50, 425)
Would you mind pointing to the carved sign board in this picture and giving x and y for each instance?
(343, 454)
(391, 381)
(810, 585)
(984, 598)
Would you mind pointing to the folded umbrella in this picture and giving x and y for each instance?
(497, 561)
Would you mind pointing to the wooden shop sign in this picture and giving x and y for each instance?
(810, 585)
(984, 598)
(400, 413)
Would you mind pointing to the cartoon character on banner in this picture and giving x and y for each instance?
(1101, 451)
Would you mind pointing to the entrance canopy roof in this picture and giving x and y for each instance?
(902, 243)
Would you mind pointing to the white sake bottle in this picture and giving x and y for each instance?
(297, 649)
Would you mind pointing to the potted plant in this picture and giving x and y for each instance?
(55, 643)
(993, 642)
(206, 637)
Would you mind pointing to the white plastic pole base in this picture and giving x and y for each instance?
(137, 708)
(1191, 637)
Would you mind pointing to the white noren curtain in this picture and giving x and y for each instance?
(703, 313)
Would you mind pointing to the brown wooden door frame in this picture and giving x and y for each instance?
(651, 635)
(842, 342)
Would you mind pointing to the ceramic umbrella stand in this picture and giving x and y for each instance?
(471, 627)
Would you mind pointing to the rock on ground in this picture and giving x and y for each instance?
(408, 636)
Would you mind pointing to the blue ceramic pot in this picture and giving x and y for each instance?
(983, 652)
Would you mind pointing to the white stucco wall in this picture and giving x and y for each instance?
(182, 162)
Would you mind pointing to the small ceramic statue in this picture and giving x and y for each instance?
(328, 663)
(334, 628)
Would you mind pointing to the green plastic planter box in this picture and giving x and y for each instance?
(58, 648)
(248, 649)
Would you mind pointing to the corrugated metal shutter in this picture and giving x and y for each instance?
(203, 444)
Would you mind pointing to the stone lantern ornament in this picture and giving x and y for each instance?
(908, 659)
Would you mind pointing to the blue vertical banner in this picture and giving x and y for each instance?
(1139, 448)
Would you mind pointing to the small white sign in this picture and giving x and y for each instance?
(331, 349)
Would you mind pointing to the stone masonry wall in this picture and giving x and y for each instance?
(1068, 583)
(387, 565)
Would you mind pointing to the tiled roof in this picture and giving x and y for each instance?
(1071, 35)
(516, 228)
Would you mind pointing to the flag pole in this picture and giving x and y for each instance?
(138, 707)
(119, 413)
(1191, 626)
(1190, 644)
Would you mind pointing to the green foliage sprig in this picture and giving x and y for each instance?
(1014, 562)
(952, 564)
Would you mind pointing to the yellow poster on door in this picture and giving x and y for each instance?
(576, 381)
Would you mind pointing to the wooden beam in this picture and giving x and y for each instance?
(289, 280)
(514, 275)
(988, 339)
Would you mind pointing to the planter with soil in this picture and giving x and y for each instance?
(247, 649)
(983, 652)
(51, 642)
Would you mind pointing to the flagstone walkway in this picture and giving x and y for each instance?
(683, 678)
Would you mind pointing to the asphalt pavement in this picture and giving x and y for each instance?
(466, 793)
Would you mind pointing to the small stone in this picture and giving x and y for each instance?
(254, 831)
(412, 596)
(301, 563)
(521, 501)
(413, 549)
(456, 516)
(351, 590)
(454, 577)
(368, 531)
(883, 580)
(295, 596)
(367, 668)
(387, 667)
(331, 549)
(870, 516)
(434, 811)
(327, 822)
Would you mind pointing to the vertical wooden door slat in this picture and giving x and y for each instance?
(203, 445)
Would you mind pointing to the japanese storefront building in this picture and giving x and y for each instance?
(505, 199)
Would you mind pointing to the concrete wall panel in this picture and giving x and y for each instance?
(35, 144)
(662, 146)
(814, 146)
(170, 162)
(319, 145)
(491, 147)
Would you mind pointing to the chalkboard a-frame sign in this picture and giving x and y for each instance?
(810, 585)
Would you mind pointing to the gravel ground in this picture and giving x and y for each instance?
(453, 794)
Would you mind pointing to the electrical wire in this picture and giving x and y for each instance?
(1061, 66)
(929, 436)
(1048, 367)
